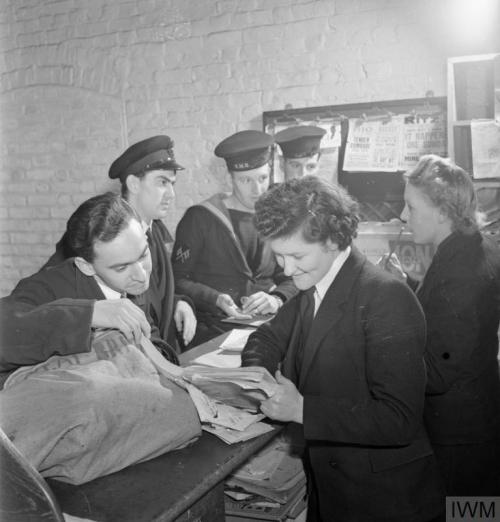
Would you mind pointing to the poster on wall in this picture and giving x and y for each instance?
(330, 145)
(419, 138)
(392, 145)
(372, 145)
(485, 141)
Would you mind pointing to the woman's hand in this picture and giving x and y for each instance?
(287, 404)
(391, 263)
(260, 303)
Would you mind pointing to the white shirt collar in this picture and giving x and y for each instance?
(325, 283)
(108, 292)
(146, 226)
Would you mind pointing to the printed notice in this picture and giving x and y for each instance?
(372, 146)
(422, 138)
(485, 140)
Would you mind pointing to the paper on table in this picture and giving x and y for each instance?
(236, 340)
(219, 414)
(229, 353)
(220, 359)
(231, 436)
(253, 321)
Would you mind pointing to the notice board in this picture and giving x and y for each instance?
(367, 146)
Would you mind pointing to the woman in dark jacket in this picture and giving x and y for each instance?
(460, 298)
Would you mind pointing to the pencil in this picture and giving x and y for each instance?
(394, 245)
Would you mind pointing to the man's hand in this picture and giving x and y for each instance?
(287, 404)
(123, 315)
(228, 306)
(260, 303)
(185, 321)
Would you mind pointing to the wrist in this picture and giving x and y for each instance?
(279, 301)
(222, 299)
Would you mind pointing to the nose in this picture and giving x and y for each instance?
(405, 214)
(288, 266)
(256, 187)
(139, 273)
(170, 191)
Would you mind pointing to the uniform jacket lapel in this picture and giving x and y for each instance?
(331, 311)
(217, 208)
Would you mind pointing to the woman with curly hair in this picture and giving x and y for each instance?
(347, 353)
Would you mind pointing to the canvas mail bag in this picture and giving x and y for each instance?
(78, 417)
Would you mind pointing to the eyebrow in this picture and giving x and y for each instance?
(171, 179)
(130, 262)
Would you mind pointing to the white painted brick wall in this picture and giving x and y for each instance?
(80, 81)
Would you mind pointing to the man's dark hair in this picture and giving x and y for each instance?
(100, 218)
(320, 210)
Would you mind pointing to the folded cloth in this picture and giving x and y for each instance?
(82, 416)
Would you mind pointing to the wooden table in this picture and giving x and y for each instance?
(183, 485)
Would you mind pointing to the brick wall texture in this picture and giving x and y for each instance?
(80, 81)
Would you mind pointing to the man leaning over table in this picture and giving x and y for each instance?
(56, 312)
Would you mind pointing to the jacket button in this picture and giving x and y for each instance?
(333, 464)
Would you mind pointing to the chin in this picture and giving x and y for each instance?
(161, 214)
(137, 290)
(302, 285)
(419, 240)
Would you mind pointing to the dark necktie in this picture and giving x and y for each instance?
(306, 313)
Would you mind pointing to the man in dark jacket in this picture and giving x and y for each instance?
(218, 259)
(55, 311)
(75, 406)
(147, 171)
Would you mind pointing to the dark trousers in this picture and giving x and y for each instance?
(470, 469)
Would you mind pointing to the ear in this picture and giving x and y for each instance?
(133, 184)
(442, 216)
(282, 163)
(84, 266)
(330, 245)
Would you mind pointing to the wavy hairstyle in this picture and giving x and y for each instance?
(448, 187)
(320, 210)
(100, 218)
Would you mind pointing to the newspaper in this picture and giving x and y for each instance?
(227, 399)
